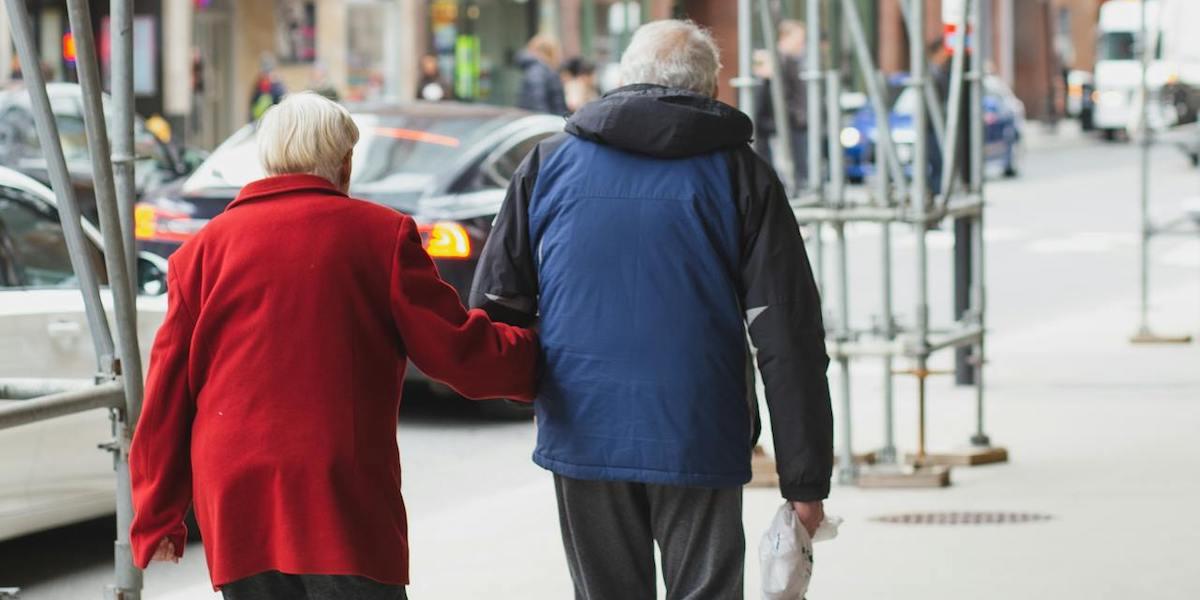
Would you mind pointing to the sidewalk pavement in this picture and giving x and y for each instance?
(1101, 435)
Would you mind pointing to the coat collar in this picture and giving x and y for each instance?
(283, 184)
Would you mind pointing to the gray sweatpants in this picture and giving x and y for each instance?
(609, 530)
(273, 585)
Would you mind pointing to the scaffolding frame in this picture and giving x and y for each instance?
(1185, 225)
(117, 385)
(892, 198)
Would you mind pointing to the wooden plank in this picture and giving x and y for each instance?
(763, 473)
(933, 476)
(967, 457)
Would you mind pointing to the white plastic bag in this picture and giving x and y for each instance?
(786, 554)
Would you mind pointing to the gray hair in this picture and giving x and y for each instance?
(306, 133)
(677, 54)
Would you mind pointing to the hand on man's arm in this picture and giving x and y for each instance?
(464, 349)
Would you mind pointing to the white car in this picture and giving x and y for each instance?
(52, 473)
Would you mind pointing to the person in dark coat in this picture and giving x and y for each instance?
(541, 87)
(644, 241)
(275, 379)
(432, 87)
(791, 46)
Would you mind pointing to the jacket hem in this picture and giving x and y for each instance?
(642, 475)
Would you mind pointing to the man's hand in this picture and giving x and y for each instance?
(165, 552)
(810, 514)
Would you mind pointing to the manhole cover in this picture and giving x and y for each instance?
(962, 518)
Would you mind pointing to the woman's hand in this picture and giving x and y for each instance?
(165, 552)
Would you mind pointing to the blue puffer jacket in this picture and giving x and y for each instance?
(646, 239)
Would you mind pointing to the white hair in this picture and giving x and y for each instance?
(677, 54)
(306, 133)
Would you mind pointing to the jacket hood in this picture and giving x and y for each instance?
(661, 122)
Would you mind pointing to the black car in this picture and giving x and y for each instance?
(155, 163)
(445, 164)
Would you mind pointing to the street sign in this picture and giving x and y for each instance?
(953, 13)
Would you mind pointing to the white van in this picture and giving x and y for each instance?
(1174, 74)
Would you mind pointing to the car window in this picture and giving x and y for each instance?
(506, 164)
(1116, 45)
(33, 245)
(18, 138)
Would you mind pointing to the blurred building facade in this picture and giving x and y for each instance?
(197, 61)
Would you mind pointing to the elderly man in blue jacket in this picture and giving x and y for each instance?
(646, 239)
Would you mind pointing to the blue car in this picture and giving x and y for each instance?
(1004, 121)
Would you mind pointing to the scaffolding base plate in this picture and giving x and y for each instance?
(902, 476)
(763, 473)
(1146, 337)
(970, 456)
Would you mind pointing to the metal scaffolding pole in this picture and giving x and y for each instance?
(870, 75)
(919, 201)
(847, 469)
(60, 404)
(783, 126)
(745, 80)
(121, 280)
(887, 330)
(954, 117)
(814, 79)
(128, 576)
(978, 298)
(836, 196)
(932, 101)
(60, 180)
(1144, 334)
(121, 34)
(1144, 127)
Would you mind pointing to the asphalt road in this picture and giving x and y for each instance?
(1062, 245)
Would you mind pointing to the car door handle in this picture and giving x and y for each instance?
(64, 329)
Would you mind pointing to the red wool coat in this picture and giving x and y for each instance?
(275, 381)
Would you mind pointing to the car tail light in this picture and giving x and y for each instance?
(155, 224)
(445, 240)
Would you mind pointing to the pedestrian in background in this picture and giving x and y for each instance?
(541, 87)
(579, 82)
(791, 45)
(267, 90)
(645, 240)
(275, 378)
(432, 87)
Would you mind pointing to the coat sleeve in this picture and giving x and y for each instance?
(783, 314)
(463, 349)
(506, 282)
(160, 465)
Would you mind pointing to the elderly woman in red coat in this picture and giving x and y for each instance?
(275, 379)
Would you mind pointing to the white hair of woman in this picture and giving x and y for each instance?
(308, 133)
(672, 53)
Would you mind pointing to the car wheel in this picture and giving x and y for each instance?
(1109, 134)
